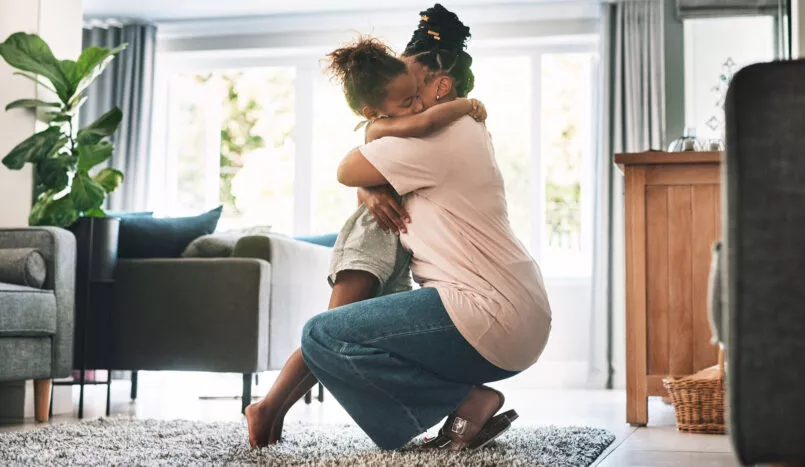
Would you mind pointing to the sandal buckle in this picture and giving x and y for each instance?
(459, 426)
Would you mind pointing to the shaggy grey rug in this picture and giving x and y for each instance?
(119, 441)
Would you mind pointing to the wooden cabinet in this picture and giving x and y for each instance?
(672, 203)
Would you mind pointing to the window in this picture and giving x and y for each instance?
(264, 139)
(716, 48)
(333, 136)
(566, 108)
(540, 108)
(503, 84)
(231, 137)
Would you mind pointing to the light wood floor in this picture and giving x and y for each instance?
(176, 395)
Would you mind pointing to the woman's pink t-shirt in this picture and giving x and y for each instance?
(462, 242)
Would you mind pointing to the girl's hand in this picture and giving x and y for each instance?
(381, 203)
(478, 111)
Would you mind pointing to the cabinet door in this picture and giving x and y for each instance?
(682, 215)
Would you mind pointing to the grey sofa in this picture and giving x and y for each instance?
(36, 322)
(763, 263)
(242, 314)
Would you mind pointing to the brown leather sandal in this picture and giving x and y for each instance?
(491, 430)
(467, 435)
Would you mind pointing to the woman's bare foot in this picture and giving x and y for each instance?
(480, 405)
(260, 420)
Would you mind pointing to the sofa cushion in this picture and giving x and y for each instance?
(220, 245)
(147, 237)
(26, 311)
(23, 266)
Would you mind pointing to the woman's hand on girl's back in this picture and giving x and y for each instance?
(382, 204)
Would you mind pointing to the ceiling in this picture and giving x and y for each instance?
(177, 10)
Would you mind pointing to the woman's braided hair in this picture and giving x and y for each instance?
(438, 44)
(364, 69)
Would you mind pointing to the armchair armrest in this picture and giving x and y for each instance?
(58, 247)
(299, 287)
(192, 314)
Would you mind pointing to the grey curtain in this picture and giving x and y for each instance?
(633, 116)
(127, 83)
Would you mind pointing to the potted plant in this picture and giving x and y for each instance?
(68, 191)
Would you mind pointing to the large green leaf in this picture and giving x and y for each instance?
(110, 179)
(104, 126)
(91, 155)
(39, 209)
(69, 68)
(97, 212)
(49, 211)
(86, 193)
(91, 64)
(89, 59)
(30, 104)
(55, 117)
(53, 173)
(37, 147)
(28, 52)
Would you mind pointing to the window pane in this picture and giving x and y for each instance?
(249, 115)
(333, 137)
(715, 48)
(503, 84)
(566, 105)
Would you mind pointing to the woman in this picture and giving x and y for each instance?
(400, 363)
(366, 260)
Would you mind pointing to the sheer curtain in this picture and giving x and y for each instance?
(632, 119)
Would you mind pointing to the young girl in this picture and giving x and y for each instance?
(367, 260)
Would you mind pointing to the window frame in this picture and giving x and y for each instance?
(306, 62)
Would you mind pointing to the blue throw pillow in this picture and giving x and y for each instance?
(327, 240)
(150, 237)
(126, 214)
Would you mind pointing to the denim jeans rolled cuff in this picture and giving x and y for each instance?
(396, 363)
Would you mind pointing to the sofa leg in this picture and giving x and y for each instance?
(308, 397)
(321, 392)
(42, 389)
(246, 397)
(134, 385)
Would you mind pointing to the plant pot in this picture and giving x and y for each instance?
(96, 245)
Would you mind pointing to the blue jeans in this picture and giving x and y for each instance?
(396, 363)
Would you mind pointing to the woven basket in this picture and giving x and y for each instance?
(699, 399)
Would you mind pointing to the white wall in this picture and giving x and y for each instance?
(59, 23)
(15, 187)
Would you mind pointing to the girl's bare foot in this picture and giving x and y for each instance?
(298, 391)
(260, 420)
(276, 430)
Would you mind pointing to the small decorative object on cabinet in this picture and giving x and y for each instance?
(688, 142)
(672, 220)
